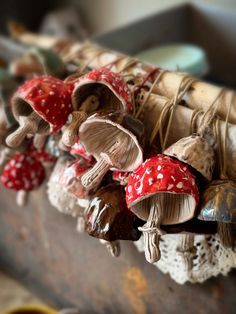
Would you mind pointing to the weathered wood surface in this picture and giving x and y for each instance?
(41, 248)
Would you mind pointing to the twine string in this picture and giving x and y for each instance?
(183, 88)
(209, 115)
(222, 150)
(149, 93)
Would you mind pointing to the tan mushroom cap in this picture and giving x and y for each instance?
(195, 151)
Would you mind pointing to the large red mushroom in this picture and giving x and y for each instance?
(41, 106)
(99, 89)
(161, 191)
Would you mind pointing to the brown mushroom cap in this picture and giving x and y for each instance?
(195, 151)
(108, 217)
(218, 202)
(99, 132)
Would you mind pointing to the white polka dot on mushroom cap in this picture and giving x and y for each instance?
(170, 186)
(179, 185)
(150, 181)
(160, 176)
(51, 93)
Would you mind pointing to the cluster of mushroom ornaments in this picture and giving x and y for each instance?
(77, 132)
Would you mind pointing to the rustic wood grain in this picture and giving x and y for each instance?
(40, 247)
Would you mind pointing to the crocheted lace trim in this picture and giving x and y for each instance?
(210, 258)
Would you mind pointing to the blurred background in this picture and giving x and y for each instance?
(81, 19)
(97, 16)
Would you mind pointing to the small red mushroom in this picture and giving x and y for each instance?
(22, 173)
(42, 156)
(71, 177)
(61, 198)
(78, 149)
(41, 106)
(99, 89)
(121, 176)
(161, 191)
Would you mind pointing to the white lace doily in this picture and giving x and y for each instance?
(211, 258)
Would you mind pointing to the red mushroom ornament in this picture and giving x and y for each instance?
(161, 191)
(99, 89)
(121, 176)
(114, 141)
(22, 173)
(41, 106)
(71, 176)
(78, 149)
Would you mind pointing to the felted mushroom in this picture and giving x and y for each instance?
(41, 106)
(37, 60)
(99, 89)
(218, 203)
(107, 216)
(70, 177)
(22, 173)
(59, 196)
(114, 141)
(162, 190)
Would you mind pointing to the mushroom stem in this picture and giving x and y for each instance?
(151, 233)
(28, 125)
(90, 104)
(21, 198)
(39, 140)
(92, 178)
(71, 132)
(112, 247)
(186, 250)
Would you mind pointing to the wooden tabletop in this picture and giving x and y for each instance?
(41, 248)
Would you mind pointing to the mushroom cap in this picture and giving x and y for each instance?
(79, 149)
(108, 217)
(98, 132)
(163, 176)
(58, 196)
(218, 202)
(22, 172)
(71, 177)
(118, 93)
(48, 97)
(195, 151)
